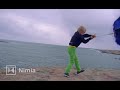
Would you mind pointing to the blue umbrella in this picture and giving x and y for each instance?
(116, 30)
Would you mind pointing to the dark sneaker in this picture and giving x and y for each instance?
(78, 72)
(66, 75)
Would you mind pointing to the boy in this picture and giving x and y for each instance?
(75, 41)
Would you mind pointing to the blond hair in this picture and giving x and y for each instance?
(81, 28)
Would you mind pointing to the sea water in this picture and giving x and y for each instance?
(24, 54)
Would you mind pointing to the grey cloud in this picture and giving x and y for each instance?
(62, 24)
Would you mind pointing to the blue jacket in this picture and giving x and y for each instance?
(77, 39)
(116, 24)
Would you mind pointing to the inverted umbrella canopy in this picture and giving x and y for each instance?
(116, 30)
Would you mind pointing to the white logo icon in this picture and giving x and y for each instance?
(10, 69)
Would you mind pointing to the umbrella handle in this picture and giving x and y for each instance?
(105, 34)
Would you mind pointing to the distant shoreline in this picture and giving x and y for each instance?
(3, 41)
(116, 52)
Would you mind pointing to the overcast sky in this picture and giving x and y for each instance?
(56, 26)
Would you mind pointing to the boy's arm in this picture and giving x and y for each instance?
(87, 35)
(87, 40)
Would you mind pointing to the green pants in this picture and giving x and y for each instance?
(73, 59)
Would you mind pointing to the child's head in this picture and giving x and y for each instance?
(81, 30)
